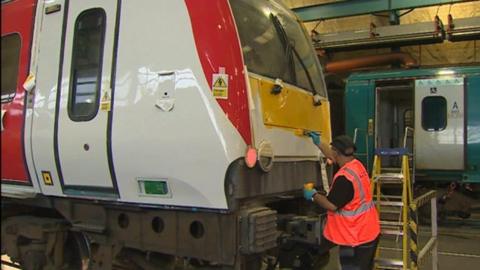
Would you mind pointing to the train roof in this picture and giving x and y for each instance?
(413, 73)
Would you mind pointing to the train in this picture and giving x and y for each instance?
(139, 133)
(431, 111)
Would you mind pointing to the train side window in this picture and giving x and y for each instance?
(434, 113)
(86, 71)
(10, 60)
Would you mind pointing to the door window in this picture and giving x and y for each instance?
(86, 71)
(10, 59)
(434, 113)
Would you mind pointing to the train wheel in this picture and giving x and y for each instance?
(77, 251)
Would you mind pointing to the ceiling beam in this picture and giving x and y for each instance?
(348, 8)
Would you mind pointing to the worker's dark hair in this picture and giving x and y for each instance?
(344, 145)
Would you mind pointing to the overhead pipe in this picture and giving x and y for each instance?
(371, 61)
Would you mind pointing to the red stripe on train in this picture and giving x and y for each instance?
(17, 17)
(218, 46)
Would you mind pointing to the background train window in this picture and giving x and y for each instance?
(10, 60)
(86, 71)
(434, 113)
(275, 45)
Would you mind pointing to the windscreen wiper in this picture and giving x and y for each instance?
(304, 68)
(290, 50)
(286, 46)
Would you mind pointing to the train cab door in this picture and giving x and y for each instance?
(84, 99)
(17, 28)
(440, 123)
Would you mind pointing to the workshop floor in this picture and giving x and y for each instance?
(458, 246)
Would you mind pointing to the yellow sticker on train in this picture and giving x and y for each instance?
(220, 86)
(105, 103)
(47, 178)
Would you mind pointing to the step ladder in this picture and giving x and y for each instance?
(393, 209)
(399, 212)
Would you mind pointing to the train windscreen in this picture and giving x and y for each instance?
(275, 44)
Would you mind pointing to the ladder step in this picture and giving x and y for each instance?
(391, 232)
(400, 151)
(399, 197)
(388, 263)
(389, 177)
(391, 223)
(389, 203)
(390, 211)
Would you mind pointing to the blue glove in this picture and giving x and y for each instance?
(308, 193)
(315, 137)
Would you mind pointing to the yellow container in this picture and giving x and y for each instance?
(309, 185)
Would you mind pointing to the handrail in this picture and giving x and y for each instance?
(407, 129)
(355, 134)
(432, 244)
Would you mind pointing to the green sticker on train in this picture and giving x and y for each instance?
(153, 187)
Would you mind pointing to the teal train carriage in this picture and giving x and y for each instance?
(438, 108)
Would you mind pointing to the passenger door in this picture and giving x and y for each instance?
(439, 123)
(83, 105)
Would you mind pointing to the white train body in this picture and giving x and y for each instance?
(154, 104)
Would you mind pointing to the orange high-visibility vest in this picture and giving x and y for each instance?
(357, 222)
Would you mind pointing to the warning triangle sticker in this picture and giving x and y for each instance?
(220, 83)
(105, 96)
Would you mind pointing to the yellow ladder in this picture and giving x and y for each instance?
(400, 178)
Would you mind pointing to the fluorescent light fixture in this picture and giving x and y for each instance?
(446, 72)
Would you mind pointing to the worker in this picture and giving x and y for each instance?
(352, 219)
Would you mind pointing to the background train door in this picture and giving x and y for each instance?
(393, 115)
(440, 123)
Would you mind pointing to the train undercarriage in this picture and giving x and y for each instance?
(57, 233)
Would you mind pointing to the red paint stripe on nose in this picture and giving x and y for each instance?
(218, 46)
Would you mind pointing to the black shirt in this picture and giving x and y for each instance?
(341, 192)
